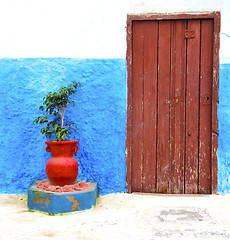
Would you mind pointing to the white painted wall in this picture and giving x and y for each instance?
(62, 28)
(89, 28)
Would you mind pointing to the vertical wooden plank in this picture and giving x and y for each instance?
(206, 77)
(150, 30)
(192, 108)
(137, 88)
(177, 106)
(163, 106)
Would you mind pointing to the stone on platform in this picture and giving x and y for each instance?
(56, 200)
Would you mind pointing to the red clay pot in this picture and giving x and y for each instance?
(62, 167)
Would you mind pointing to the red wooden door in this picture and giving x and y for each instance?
(171, 115)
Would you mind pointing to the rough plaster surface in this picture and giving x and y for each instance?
(224, 126)
(100, 114)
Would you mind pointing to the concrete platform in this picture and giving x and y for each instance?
(62, 202)
(122, 217)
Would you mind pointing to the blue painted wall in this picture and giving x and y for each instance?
(100, 114)
(224, 127)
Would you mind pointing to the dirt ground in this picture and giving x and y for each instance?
(122, 216)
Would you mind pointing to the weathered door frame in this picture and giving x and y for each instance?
(215, 16)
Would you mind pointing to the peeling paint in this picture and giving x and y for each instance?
(42, 200)
(64, 202)
(75, 203)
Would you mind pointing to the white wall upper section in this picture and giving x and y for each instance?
(89, 28)
(62, 28)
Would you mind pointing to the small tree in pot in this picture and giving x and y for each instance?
(53, 109)
(61, 168)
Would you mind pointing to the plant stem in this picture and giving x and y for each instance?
(62, 122)
(63, 114)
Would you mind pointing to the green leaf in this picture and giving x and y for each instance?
(51, 118)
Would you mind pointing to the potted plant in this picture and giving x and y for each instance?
(62, 167)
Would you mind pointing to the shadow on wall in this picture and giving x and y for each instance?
(100, 114)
